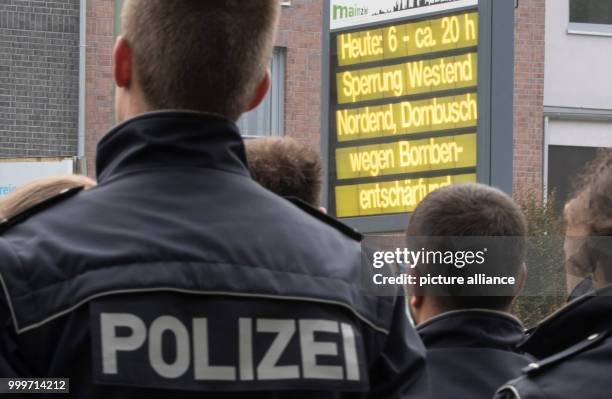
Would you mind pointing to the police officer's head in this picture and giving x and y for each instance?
(468, 218)
(209, 56)
(286, 167)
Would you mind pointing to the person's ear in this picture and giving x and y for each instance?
(416, 305)
(416, 301)
(260, 93)
(122, 66)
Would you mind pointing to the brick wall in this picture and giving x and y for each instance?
(529, 96)
(39, 69)
(300, 32)
(99, 107)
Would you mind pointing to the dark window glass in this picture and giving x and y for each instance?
(591, 11)
(565, 164)
(267, 119)
(117, 21)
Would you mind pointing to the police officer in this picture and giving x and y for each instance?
(178, 275)
(574, 350)
(471, 338)
(574, 345)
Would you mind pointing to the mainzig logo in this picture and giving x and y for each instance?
(342, 12)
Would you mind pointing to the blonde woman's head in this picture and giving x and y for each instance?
(38, 191)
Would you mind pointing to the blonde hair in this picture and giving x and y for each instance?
(38, 191)
(575, 211)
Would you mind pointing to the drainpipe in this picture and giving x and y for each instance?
(82, 80)
(546, 143)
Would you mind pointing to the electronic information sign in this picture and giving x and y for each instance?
(404, 111)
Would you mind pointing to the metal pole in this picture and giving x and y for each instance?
(82, 77)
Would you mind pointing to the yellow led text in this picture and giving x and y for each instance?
(401, 196)
(440, 34)
(411, 78)
(407, 117)
(407, 157)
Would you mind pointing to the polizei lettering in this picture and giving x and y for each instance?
(262, 349)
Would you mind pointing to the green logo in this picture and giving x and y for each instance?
(343, 12)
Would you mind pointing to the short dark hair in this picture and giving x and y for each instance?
(200, 55)
(286, 167)
(472, 210)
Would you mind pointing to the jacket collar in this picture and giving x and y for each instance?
(474, 328)
(576, 321)
(171, 138)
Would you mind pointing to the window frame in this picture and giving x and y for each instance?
(569, 115)
(586, 29)
(276, 96)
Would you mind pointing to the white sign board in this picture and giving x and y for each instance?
(15, 174)
(350, 13)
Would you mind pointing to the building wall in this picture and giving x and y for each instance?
(300, 33)
(529, 97)
(579, 108)
(99, 103)
(577, 66)
(39, 70)
(580, 133)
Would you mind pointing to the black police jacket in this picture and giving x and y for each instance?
(178, 275)
(471, 353)
(574, 351)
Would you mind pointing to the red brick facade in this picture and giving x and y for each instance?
(300, 35)
(529, 97)
(99, 108)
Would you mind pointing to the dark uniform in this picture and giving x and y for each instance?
(471, 353)
(179, 275)
(574, 348)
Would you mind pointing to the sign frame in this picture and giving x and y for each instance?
(495, 106)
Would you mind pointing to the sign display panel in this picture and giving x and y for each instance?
(403, 117)
(18, 172)
(349, 13)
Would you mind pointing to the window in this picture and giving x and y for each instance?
(591, 17)
(268, 118)
(117, 19)
(565, 163)
(572, 140)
